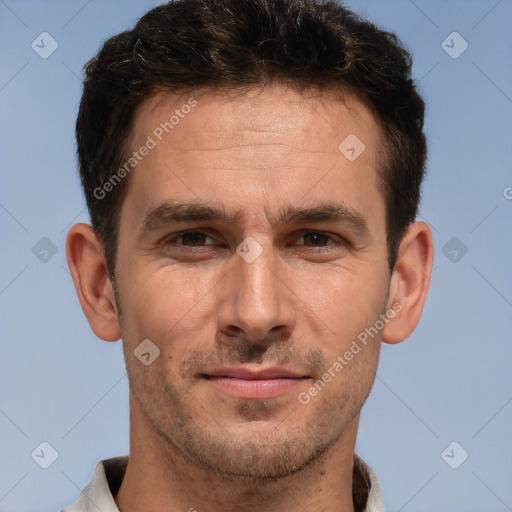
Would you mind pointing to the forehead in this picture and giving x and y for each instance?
(254, 115)
(260, 146)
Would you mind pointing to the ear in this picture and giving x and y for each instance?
(88, 267)
(410, 281)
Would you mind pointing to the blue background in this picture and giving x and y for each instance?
(451, 381)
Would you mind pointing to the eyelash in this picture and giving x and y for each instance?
(171, 239)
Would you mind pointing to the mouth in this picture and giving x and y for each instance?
(243, 382)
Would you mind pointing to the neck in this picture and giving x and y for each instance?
(159, 477)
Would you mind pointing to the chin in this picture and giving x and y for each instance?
(266, 450)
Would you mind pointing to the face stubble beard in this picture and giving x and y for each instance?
(187, 430)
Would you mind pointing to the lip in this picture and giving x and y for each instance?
(244, 372)
(243, 382)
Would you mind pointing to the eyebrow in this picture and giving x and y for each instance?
(173, 212)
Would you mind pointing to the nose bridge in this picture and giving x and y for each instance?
(254, 297)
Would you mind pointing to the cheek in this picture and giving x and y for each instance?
(169, 305)
(162, 292)
(346, 300)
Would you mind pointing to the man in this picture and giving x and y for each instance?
(252, 170)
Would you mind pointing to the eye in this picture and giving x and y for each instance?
(308, 239)
(317, 239)
(188, 238)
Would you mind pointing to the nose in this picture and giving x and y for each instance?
(255, 302)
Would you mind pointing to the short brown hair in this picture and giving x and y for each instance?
(237, 44)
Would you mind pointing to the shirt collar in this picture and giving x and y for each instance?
(109, 473)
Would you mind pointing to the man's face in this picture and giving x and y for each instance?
(244, 334)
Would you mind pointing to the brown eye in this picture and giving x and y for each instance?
(194, 238)
(316, 239)
(189, 239)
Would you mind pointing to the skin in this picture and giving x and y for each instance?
(299, 304)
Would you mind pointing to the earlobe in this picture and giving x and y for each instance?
(88, 268)
(409, 282)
